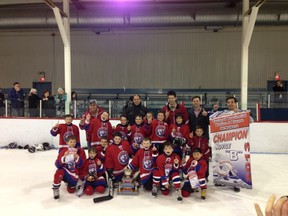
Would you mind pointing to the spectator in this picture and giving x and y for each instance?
(60, 99)
(215, 108)
(2, 104)
(48, 104)
(16, 96)
(33, 100)
(135, 109)
(279, 92)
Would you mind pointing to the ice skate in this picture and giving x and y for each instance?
(179, 195)
(236, 189)
(203, 194)
(154, 191)
(56, 193)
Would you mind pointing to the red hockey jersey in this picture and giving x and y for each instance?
(202, 143)
(117, 157)
(92, 116)
(144, 160)
(159, 131)
(98, 129)
(122, 129)
(200, 167)
(179, 109)
(166, 166)
(64, 131)
(181, 131)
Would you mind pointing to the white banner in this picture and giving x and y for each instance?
(229, 136)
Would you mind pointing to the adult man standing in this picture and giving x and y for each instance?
(232, 108)
(136, 109)
(172, 108)
(94, 111)
(198, 116)
(16, 96)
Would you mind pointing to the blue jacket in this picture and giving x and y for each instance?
(16, 98)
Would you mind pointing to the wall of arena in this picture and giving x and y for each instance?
(164, 59)
(264, 137)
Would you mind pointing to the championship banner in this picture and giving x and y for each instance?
(229, 136)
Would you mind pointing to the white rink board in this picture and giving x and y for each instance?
(265, 137)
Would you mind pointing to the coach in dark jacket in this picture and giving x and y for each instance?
(135, 109)
(198, 117)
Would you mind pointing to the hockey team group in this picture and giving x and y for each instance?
(161, 152)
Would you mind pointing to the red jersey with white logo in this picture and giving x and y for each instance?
(166, 165)
(65, 131)
(99, 129)
(144, 160)
(117, 156)
(159, 131)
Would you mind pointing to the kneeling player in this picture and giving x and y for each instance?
(144, 160)
(93, 170)
(195, 168)
(168, 165)
(68, 164)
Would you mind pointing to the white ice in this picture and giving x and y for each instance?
(26, 179)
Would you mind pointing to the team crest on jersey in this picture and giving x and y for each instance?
(70, 160)
(123, 158)
(102, 131)
(92, 169)
(160, 131)
(168, 168)
(67, 134)
(138, 138)
(123, 135)
(178, 134)
(147, 163)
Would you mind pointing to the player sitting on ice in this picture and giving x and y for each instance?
(68, 164)
(195, 168)
(144, 160)
(93, 171)
(167, 170)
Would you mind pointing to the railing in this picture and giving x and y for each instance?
(114, 103)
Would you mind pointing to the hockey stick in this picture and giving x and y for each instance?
(110, 194)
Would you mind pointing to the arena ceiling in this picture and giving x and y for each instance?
(92, 14)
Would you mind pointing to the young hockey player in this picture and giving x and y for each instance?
(144, 160)
(122, 127)
(137, 133)
(199, 141)
(195, 168)
(101, 149)
(68, 163)
(159, 131)
(179, 134)
(149, 117)
(93, 171)
(65, 130)
(168, 165)
(99, 128)
(117, 157)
